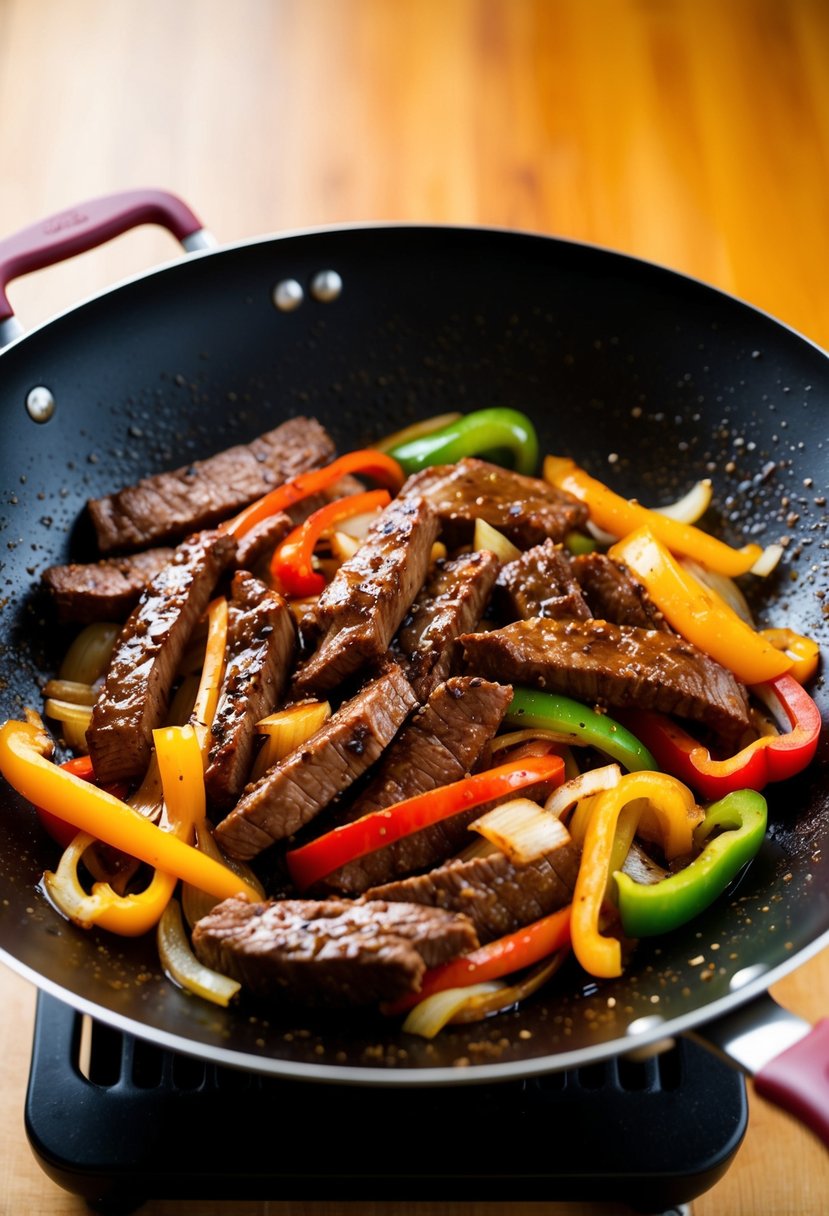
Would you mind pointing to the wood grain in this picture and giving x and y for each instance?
(690, 132)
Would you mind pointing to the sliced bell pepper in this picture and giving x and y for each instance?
(740, 821)
(377, 465)
(769, 758)
(698, 613)
(574, 723)
(291, 565)
(672, 806)
(93, 810)
(502, 957)
(619, 516)
(803, 651)
(374, 831)
(483, 432)
(63, 833)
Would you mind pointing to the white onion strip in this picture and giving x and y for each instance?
(584, 786)
(691, 506)
(522, 830)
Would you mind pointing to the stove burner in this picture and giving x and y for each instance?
(118, 1120)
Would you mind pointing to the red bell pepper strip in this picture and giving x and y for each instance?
(345, 843)
(770, 758)
(291, 564)
(514, 952)
(365, 460)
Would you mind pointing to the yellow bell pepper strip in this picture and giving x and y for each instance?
(182, 777)
(803, 651)
(673, 807)
(646, 910)
(63, 833)
(764, 760)
(93, 810)
(212, 673)
(376, 465)
(574, 723)
(291, 565)
(374, 831)
(696, 612)
(517, 950)
(485, 432)
(619, 516)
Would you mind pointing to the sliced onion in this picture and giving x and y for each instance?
(74, 720)
(487, 537)
(71, 690)
(522, 830)
(692, 506)
(416, 431)
(181, 964)
(197, 903)
(287, 730)
(88, 657)
(584, 786)
(344, 546)
(479, 1006)
(767, 561)
(433, 1012)
(721, 585)
(599, 534)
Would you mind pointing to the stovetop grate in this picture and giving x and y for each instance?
(119, 1120)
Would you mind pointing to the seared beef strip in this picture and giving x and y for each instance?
(525, 509)
(539, 583)
(451, 602)
(295, 790)
(102, 591)
(616, 665)
(169, 505)
(441, 744)
(613, 595)
(360, 609)
(497, 896)
(260, 643)
(134, 698)
(333, 952)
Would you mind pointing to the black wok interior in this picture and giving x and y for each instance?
(650, 379)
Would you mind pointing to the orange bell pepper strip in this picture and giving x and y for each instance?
(619, 516)
(93, 810)
(514, 952)
(697, 612)
(374, 831)
(291, 565)
(803, 651)
(376, 465)
(664, 800)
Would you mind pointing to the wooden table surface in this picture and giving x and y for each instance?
(690, 132)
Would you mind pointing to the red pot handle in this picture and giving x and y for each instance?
(798, 1080)
(88, 225)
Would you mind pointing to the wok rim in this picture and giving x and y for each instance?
(420, 1077)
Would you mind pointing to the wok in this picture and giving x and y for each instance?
(650, 378)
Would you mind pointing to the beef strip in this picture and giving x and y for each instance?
(616, 665)
(260, 646)
(613, 595)
(497, 896)
(105, 590)
(169, 505)
(451, 602)
(360, 609)
(296, 789)
(539, 583)
(525, 509)
(332, 952)
(441, 744)
(134, 698)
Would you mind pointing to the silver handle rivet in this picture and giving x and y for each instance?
(288, 295)
(326, 286)
(40, 404)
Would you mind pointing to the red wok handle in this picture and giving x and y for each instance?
(90, 224)
(798, 1080)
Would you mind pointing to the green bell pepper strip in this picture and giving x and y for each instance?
(647, 910)
(579, 725)
(474, 434)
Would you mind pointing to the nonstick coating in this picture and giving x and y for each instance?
(650, 379)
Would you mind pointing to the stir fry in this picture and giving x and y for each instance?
(465, 720)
